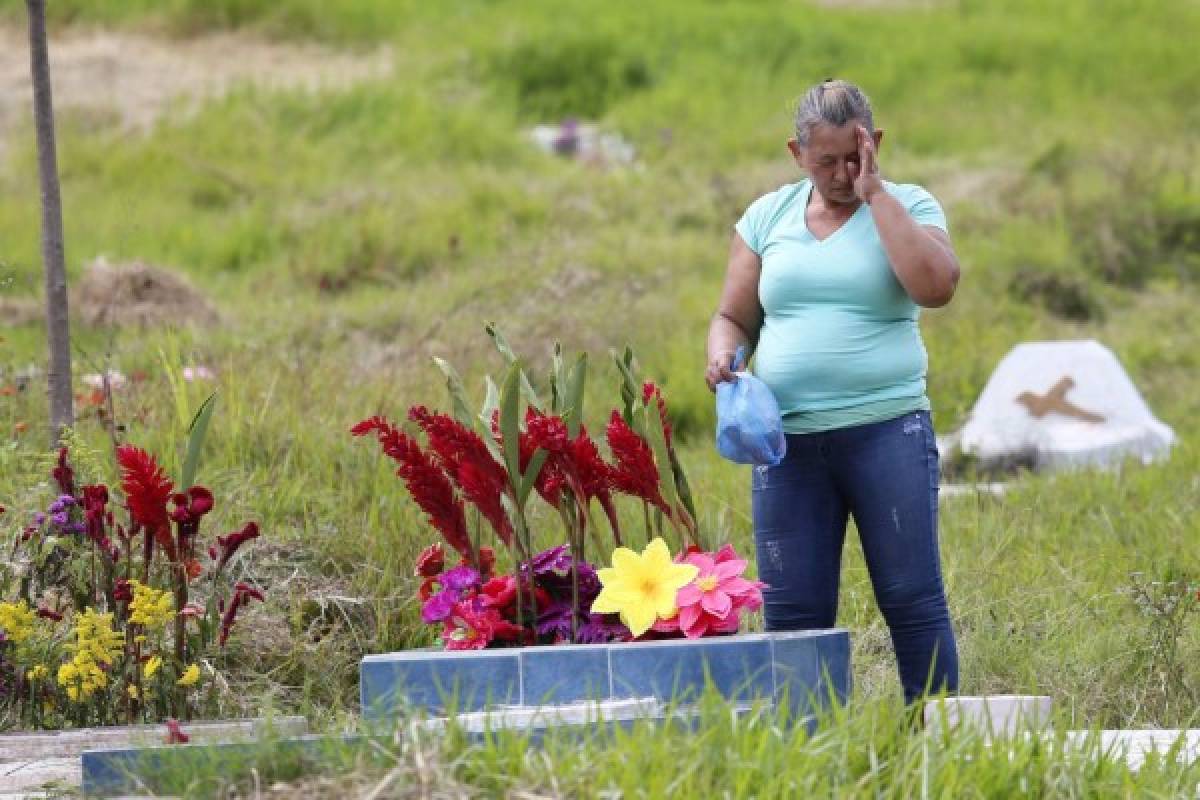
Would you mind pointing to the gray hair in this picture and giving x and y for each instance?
(832, 102)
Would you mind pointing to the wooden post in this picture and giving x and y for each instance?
(62, 412)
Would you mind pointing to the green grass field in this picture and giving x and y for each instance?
(347, 236)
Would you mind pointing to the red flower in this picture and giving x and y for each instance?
(467, 629)
(635, 473)
(487, 561)
(95, 513)
(649, 390)
(426, 482)
(147, 489)
(190, 507)
(46, 613)
(64, 476)
(175, 734)
(431, 561)
(465, 457)
(123, 592)
(230, 543)
(546, 431)
(242, 592)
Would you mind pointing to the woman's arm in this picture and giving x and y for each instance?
(921, 255)
(738, 317)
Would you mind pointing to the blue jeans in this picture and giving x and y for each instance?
(886, 475)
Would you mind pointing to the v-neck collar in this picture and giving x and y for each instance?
(837, 231)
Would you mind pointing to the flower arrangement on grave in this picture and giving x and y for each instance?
(519, 447)
(120, 613)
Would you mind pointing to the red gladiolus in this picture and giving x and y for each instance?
(426, 482)
(431, 561)
(190, 507)
(230, 543)
(546, 431)
(242, 593)
(465, 457)
(649, 390)
(64, 476)
(95, 513)
(635, 473)
(147, 489)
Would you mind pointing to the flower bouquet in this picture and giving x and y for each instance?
(115, 617)
(519, 446)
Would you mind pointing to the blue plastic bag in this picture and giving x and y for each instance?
(749, 425)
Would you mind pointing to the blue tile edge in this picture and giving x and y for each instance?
(116, 771)
(828, 677)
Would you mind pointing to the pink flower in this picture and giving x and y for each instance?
(714, 601)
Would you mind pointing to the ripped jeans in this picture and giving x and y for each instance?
(885, 474)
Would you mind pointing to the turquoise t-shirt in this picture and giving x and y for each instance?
(839, 344)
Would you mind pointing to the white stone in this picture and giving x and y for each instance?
(527, 717)
(991, 715)
(1099, 418)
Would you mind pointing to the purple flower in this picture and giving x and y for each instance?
(556, 559)
(603, 628)
(75, 527)
(39, 518)
(59, 518)
(555, 620)
(439, 607)
(459, 579)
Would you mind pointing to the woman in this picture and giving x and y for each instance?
(824, 284)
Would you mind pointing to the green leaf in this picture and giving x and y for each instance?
(491, 400)
(458, 392)
(658, 443)
(631, 388)
(557, 380)
(530, 476)
(510, 422)
(573, 395)
(511, 357)
(197, 431)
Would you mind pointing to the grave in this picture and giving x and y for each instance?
(1057, 405)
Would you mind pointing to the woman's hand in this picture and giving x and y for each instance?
(719, 370)
(867, 180)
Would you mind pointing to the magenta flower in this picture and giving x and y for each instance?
(714, 601)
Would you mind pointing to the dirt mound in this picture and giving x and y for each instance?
(139, 294)
(19, 311)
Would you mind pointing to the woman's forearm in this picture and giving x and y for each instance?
(926, 268)
(725, 336)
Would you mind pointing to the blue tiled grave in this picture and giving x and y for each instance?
(792, 668)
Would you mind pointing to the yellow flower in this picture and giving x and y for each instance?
(642, 588)
(132, 691)
(150, 607)
(38, 672)
(16, 620)
(189, 676)
(152, 666)
(96, 647)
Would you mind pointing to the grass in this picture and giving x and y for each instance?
(348, 236)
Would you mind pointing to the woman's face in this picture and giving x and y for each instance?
(827, 158)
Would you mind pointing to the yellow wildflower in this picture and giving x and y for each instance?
(16, 620)
(132, 691)
(189, 676)
(152, 666)
(642, 587)
(96, 647)
(38, 672)
(150, 607)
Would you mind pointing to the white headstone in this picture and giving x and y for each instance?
(1062, 404)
